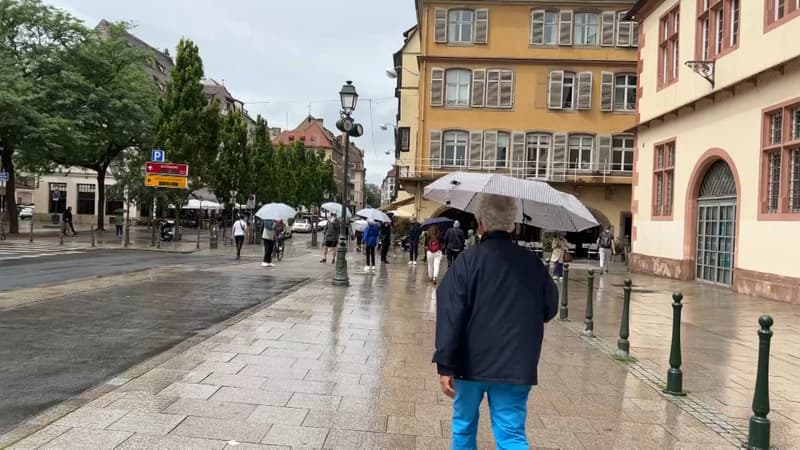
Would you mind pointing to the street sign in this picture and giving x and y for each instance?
(165, 181)
(157, 168)
(157, 155)
(55, 195)
(3, 176)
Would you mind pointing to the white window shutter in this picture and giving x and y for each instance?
(559, 158)
(584, 90)
(506, 88)
(492, 88)
(635, 35)
(607, 30)
(607, 92)
(565, 27)
(478, 88)
(517, 151)
(475, 149)
(435, 149)
(440, 26)
(537, 27)
(482, 26)
(490, 150)
(604, 153)
(556, 91)
(624, 30)
(437, 87)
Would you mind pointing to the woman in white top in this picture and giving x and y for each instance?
(239, 229)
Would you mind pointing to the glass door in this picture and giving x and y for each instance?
(716, 237)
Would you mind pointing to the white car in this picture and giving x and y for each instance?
(26, 212)
(301, 226)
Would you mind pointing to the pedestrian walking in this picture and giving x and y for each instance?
(605, 245)
(331, 236)
(559, 254)
(433, 252)
(239, 231)
(370, 241)
(472, 240)
(119, 221)
(268, 236)
(414, 231)
(67, 219)
(454, 241)
(490, 314)
(386, 241)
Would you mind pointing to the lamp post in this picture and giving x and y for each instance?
(345, 124)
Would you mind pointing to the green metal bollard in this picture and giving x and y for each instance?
(623, 345)
(588, 324)
(758, 436)
(564, 311)
(94, 244)
(31, 237)
(675, 375)
(197, 245)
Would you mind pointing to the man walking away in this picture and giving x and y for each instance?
(386, 241)
(370, 242)
(268, 236)
(119, 222)
(331, 236)
(490, 314)
(239, 230)
(605, 244)
(454, 240)
(68, 221)
(414, 231)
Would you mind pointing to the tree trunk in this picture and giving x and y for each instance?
(101, 198)
(11, 191)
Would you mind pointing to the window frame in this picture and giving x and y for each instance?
(585, 28)
(457, 70)
(626, 88)
(581, 165)
(663, 205)
(715, 23)
(535, 164)
(771, 21)
(544, 23)
(61, 203)
(574, 95)
(502, 82)
(455, 142)
(623, 151)
(461, 24)
(82, 200)
(668, 48)
(502, 163)
(780, 136)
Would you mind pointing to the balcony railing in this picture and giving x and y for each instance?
(596, 171)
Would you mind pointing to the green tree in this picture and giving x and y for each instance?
(373, 195)
(33, 38)
(189, 126)
(263, 179)
(114, 105)
(232, 170)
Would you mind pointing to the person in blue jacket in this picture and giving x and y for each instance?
(370, 241)
(491, 309)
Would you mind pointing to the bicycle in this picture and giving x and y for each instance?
(280, 248)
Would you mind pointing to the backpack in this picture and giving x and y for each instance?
(606, 240)
(434, 246)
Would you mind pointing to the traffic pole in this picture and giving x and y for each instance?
(564, 311)
(675, 374)
(588, 324)
(623, 345)
(758, 435)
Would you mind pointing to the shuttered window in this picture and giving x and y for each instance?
(481, 26)
(499, 88)
(625, 92)
(544, 27)
(622, 153)
(460, 24)
(580, 152)
(457, 87)
(537, 149)
(503, 147)
(608, 28)
(440, 26)
(475, 149)
(624, 31)
(586, 28)
(435, 149)
(489, 149)
(437, 87)
(455, 148)
(565, 27)
(607, 91)
(478, 88)
(584, 92)
(559, 159)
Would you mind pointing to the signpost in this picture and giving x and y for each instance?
(165, 181)
(158, 155)
(161, 174)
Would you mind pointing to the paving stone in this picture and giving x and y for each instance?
(225, 430)
(85, 438)
(244, 446)
(142, 401)
(315, 401)
(241, 381)
(40, 438)
(150, 423)
(220, 367)
(255, 370)
(292, 436)
(346, 421)
(350, 440)
(278, 415)
(211, 408)
(171, 442)
(91, 417)
(252, 396)
(302, 386)
(573, 424)
(414, 426)
(189, 390)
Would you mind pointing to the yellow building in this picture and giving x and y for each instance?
(717, 182)
(535, 89)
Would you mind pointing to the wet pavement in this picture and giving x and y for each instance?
(336, 368)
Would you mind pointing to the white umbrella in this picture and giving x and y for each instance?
(539, 204)
(374, 214)
(335, 208)
(276, 211)
(360, 225)
(194, 203)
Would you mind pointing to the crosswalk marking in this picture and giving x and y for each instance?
(23, 250)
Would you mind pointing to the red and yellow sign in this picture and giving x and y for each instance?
(165, 181)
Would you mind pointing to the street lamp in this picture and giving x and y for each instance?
(345, 124)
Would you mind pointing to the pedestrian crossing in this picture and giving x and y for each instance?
(14, 250)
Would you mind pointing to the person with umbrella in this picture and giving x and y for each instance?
(454, 240)
(414, 231)
(370, 242)
(269, 235)
(332, 231)
(490, 314)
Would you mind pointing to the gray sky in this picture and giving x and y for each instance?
(286, 53)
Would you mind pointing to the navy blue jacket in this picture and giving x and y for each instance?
(414, 230)
(371, 235)
(490, 313)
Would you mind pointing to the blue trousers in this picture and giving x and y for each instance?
(508, 407)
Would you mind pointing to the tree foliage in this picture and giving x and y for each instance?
(373, 195)
(232, 169)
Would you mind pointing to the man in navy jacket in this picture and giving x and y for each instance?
(491, 309)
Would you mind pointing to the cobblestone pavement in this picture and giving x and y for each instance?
(338, 368)
(719, 342)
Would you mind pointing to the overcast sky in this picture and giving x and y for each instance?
(280, 56)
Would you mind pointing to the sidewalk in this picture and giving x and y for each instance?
(350, 369)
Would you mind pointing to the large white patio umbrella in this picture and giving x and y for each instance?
(374, 214)
(276, 211)
(194, 203)
(539, 204)
(336, 208)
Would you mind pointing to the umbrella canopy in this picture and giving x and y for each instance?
(194, 203)
(360, 225)
(374, 214)
(336, 208)
(538, 203)
(441, 222)
(276, 211)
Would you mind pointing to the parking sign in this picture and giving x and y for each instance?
(157, 155)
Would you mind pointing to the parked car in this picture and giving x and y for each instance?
(301, 226)
(26, 212)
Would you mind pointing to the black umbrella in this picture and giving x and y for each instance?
(441, 222)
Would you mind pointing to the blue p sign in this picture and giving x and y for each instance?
(157, 155)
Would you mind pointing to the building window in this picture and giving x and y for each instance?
(586, 25)
(551, 28)
(58, 198)
(114, 202)
(459, 25)
(718, 28)
(663, 179)
(568, 91)
(580, 152)
(625, 92)
(780, 179)
(457, 87)
(734, 19)
(537, 147)
(622, 154)
(503, 142)
(544, 27)
(499, 88)
(404, 134)
(86, 198)
(668, 43)
(455, 148)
